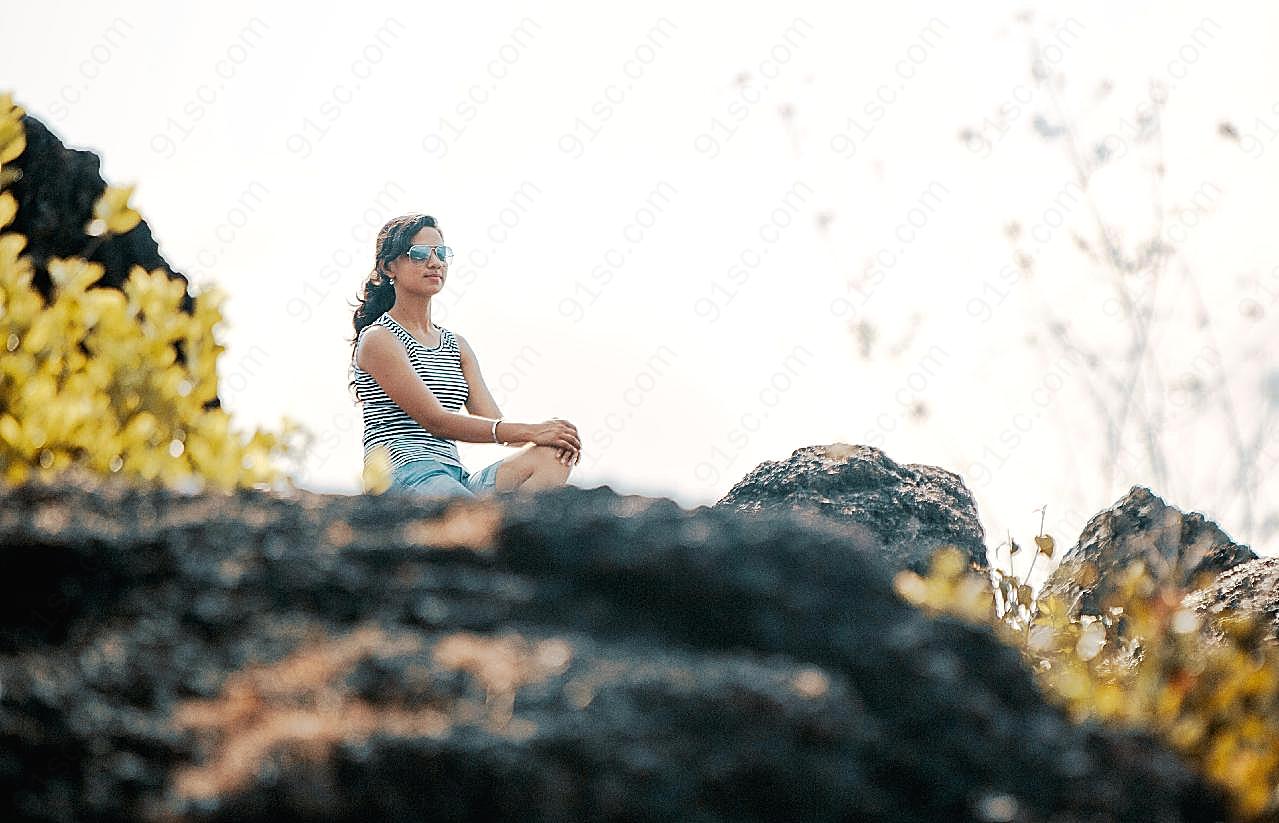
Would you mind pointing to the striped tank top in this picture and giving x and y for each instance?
(385, 423)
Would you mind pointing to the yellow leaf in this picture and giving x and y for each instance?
(11, 245)
(112, 212)
(1052, 607)
(1109, 699)
(13, 138)
(8, 208)
(947, 562)
(15, 473)
(37, 338)
(10, 430)
(377, 471)
(98, 302)
(74, 274)
(1045, 544)
(911, 587)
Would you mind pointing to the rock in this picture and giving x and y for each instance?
(573, 655)
(1186, 549)
(1250, 588)
(56, 189)
(913, 509)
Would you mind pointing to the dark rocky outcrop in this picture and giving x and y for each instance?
(56, 188)
(1188, 550)
(56, 191)
(577, 655)
(1250, 588)
(912, 509)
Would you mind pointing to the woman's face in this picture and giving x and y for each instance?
(426, 276)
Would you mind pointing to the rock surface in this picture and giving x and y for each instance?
(912, 509)
(1250, 588)
(1186, 549)
(577, 655)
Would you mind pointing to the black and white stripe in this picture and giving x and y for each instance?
(385, 423)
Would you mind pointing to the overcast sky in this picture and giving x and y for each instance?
(709, 235)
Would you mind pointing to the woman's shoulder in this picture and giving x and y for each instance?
(455, 341)
(375, 330)
(388, 324)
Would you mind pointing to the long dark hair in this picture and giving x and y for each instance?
(377, 295)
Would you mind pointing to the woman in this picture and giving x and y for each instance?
(413, 376)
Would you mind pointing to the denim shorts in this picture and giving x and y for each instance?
(436, 479)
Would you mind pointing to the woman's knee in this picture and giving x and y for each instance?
(551, 455)
(547, 465)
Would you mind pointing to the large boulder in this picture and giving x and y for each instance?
(1186, 550)
(1250, 589)
(570, 655)
(911, 509)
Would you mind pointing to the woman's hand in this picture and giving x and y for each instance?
(560, 434)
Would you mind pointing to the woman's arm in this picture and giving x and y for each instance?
(384, 357)
(480, 400)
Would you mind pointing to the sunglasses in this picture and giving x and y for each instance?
(422, 251)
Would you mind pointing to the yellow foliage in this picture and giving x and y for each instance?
(948, 587)
(127, 407)
(1216, 702)
(13, 138)
(377, 471)
(8, 209)
(112, 212)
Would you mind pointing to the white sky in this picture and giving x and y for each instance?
(259, 155)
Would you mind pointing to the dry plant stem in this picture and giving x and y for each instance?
(1227, 403)
(1032, 561)
(1143, 369)
(1139, 322)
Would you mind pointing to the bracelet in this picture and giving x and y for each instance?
(495, 440)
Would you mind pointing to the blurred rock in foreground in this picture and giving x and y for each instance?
(913, 509)
(1186, 549)
(577, 655)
